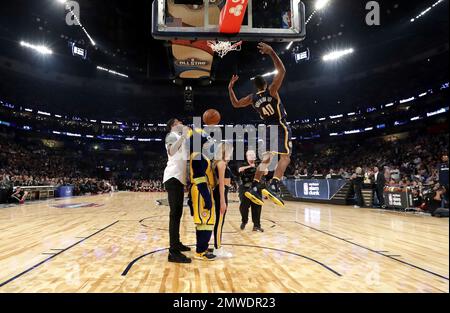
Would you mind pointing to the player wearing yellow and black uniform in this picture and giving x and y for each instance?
(201, 199)
(268, 104)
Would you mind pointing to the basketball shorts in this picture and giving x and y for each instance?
(279, 139)
(203, 218)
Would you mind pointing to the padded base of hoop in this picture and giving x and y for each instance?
(232, 16)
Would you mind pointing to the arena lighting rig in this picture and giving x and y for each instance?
(319, 5)
(38, 48)
(112, 72)
(424, 12)
(267, 74)
(336, 55)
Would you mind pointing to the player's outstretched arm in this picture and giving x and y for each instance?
(242, 103)
(174, 145)
(279, 66)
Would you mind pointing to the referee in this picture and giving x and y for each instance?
(174, 182)
(247, 173)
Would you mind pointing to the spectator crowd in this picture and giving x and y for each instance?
(405, 162)
(410, 162)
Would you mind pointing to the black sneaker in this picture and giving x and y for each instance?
(175, 257)
(181, 247)
(243, 226)
(258, 229)
(273, 193)
(205, 256)
(254, 194)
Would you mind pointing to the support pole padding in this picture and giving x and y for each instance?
(232, 16)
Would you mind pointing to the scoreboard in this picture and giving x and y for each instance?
(78, 51)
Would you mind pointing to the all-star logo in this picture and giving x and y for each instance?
(192, 62)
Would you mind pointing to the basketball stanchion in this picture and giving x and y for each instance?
(232, 16)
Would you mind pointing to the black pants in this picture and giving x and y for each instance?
(220, 219)
(5, 195)
(358, 194)
(246, 203)
(203, 238)
(379, 190)
(175, 193)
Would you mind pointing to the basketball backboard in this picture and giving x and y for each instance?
(268, 20)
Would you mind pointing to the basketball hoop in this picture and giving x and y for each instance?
(222, 48)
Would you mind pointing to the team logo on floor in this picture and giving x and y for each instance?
(77, 205)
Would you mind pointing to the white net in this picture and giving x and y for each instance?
(223, 47)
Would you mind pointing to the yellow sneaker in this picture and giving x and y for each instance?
(254, 197)
(274, 197)
(205, 256)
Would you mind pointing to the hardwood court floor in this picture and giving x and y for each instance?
(117, 243)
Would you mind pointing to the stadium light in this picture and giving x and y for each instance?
(407, 100)
(112, 72)
(44, 113)
(426, 11)
(40, 49)
(267, 74)
(289, 45)
(320, 4)
(440, 111)
(271, 73)
(335, 55)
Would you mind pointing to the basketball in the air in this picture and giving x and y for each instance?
(211, 117)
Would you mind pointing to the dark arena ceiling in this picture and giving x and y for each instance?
(389, 62)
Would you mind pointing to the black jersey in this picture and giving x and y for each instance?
(247, 176)
(271, 109)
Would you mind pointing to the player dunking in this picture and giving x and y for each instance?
(268, 104)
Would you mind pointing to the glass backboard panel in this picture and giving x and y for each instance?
(268, 20)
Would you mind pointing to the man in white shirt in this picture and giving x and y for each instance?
(174, 182)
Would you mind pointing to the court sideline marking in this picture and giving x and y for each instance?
(374, 251)
(130, 265)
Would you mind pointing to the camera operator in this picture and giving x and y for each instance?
(434, 202)
(19, 195)
(443, 178)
